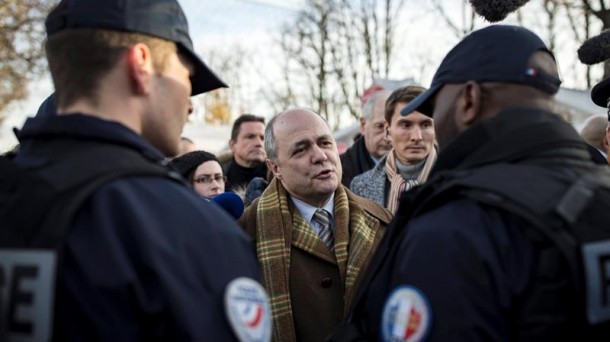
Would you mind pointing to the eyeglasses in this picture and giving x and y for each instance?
(209, 179)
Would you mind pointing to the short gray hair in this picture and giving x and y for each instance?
(270, 142)
(368, 109)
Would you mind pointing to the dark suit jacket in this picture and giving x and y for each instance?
(355, 160)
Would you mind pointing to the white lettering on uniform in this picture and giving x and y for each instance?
(596, 260)
(27, 279)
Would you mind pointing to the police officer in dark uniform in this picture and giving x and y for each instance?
(490, 248)
(145, 258)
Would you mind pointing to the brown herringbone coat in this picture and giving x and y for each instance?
(310, 288)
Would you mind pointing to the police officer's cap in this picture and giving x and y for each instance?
(159, 18)
(600, 94)
(497, 53)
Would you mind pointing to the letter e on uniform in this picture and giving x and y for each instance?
(27, 279)
(596, 259)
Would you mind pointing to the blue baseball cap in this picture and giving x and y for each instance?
(158, 18)
(497, 53)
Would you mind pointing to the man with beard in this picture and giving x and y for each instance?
(507, 241)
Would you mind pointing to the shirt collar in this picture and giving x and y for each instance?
(307, 210)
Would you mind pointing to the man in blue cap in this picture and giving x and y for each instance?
(143, 258)
(504, 241)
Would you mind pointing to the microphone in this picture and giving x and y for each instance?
(596, 49)
(230, 202)
(255, 188)
(496, 10)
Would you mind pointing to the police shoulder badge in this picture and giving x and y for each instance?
(248, 310)
(406, 316)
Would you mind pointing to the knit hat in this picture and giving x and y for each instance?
(188, 162)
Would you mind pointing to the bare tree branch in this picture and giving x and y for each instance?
(21, 52)
(452, 26)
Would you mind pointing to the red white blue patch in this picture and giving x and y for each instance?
(406, 316)
(531, 72)
(248, 310)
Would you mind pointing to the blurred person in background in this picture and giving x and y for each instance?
(372, 143)
(203, 171)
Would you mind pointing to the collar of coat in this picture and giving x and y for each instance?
(279, 228)
(511, 135)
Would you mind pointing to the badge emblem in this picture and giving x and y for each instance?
(406, 316)
(248, 310)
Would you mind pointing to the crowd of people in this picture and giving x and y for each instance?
(466, 211)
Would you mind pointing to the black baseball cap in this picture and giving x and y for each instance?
(158, 18)
(600, 94)
(497, 53)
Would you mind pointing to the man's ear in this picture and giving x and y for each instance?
(468, 107)
(362, 124)
(386, 128)
(606, 140)
(141, 69)
(274, 168)
(231, 144)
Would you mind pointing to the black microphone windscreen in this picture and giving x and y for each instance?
(496, 10)
(596, 49)
(230, 202)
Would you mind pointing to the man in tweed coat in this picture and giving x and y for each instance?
(412, 156)
(310, 279)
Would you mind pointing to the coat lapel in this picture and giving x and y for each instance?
(278, 227)
(273, 235)
(304, 238)
(354, 240)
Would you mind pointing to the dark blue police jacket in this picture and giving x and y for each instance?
(146, 259)
(475, 272)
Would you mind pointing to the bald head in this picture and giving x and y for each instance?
(282, 119)
(594, 131)
(303, 155)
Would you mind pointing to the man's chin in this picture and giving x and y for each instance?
(414, 158)
(258, 158)
(380, 154)
(327, 186)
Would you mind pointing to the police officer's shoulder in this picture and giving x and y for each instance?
(167, 200)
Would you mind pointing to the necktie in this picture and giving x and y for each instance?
(326, 234)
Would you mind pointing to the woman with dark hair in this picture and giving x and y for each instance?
(203, 171)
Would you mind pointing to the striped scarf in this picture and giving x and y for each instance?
(278, 226)
(398, 185)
